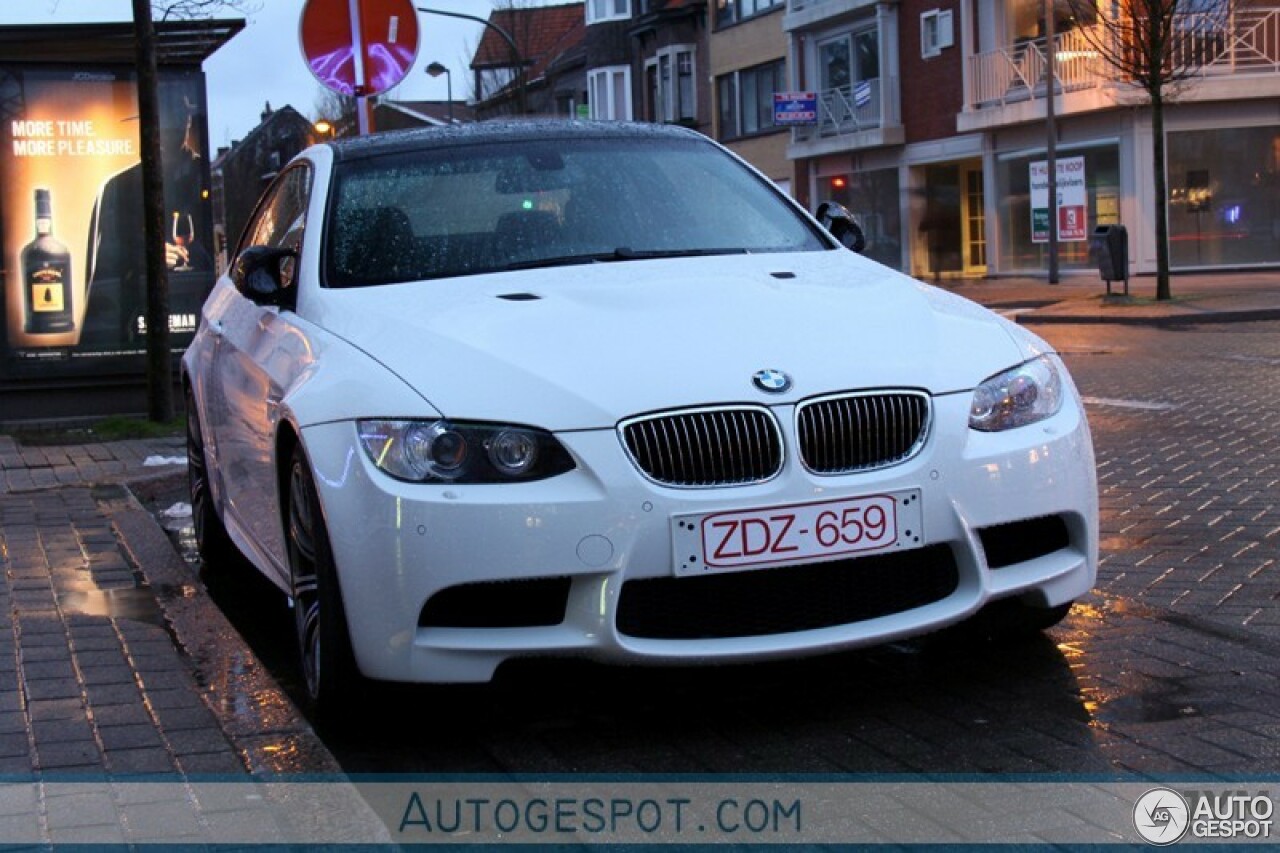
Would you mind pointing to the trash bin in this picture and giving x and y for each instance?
(1109, 247)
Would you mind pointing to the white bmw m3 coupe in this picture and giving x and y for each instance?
(599, 389)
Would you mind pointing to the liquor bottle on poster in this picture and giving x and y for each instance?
(46, 276)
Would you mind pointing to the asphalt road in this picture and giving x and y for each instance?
(1171, 666)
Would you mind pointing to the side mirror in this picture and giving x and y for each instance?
(266, 275)
(837, 219)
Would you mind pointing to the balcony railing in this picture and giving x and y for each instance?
(1012, 73)
(846, 110)
(1246, 41)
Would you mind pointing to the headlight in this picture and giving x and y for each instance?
(445, 452)
(1022, 395)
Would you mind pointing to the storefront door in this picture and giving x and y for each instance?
(973, 215)
(942, 224)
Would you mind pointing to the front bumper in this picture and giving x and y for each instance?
(398, 544)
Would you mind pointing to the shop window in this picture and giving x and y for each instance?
(873, 197)
(1224, 197)
(1023, 247)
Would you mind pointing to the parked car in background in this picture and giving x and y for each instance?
(600, 389)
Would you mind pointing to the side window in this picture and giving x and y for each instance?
(282, 218)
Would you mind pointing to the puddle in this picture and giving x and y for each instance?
(183, 535)
(1253, 359)
(1147, 708)
(136, 604)
(254, 607)
(1087, 350)
(1139, 405)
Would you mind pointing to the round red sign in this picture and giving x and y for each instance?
(366, 59)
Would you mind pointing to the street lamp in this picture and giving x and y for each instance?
(435, 69)
(323, 127)
(506, 36)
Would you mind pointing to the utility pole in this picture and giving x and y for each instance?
(1050, 111)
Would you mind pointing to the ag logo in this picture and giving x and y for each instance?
(1161, 816)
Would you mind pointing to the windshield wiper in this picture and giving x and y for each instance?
(622, 253)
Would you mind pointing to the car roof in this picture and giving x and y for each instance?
(505, 130)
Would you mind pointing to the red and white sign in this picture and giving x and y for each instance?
(1071, 222)
(1073, 200)
(798, 533)
(359, 47)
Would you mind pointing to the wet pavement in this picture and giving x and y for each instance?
(114, 665)
(123, 657)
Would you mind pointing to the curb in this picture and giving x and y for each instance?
(266, 728)
(1209, 317)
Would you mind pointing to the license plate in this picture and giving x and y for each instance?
(797, 533)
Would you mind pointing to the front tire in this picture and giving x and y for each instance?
(324, 642)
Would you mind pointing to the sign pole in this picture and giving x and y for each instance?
(364, 115)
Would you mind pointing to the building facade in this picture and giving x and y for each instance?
(241, 171)
(647, 60)
(748, 64)
(669, 43)
(932, 128)
(539, 72)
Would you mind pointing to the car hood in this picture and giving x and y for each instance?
(582, 347)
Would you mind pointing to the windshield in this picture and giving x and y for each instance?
(481, 208)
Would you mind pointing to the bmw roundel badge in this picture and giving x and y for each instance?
(772, 381)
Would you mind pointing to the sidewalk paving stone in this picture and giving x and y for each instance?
(93, 691)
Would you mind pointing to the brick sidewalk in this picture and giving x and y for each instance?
(24, 468)
(1082, 298)
(114, 663)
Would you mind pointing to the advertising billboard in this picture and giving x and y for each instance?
(71, 230)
